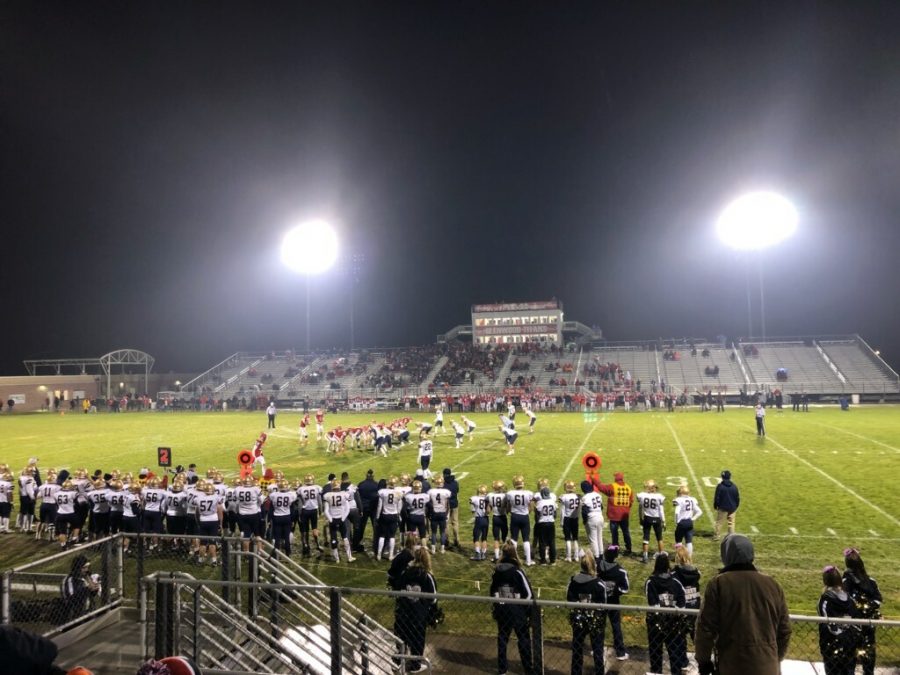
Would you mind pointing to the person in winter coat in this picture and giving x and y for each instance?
(689, 576)
(615, 579)
(509, 581)
(411, 614)
(743, 618)
(726, 501)
(664, 590)
(837, 642)
(864, 591)
(585, 587)
(401, 561)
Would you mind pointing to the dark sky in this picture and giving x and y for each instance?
(153, 154)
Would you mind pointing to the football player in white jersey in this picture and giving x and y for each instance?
(426, 452)
(458, 432)
(509, 433)
(249, 501)
(310, 496)
(532, 418)
(592, 506)
(521, 502)
(687, 510)
(439, 418)
(337, 507)
(153, 497)
(545, 524)
(479, 505)
(650, 508)
(499, 508)
(281, 500)
(416, 503)
(439, 503)
(387, 515)
(571, 510)
(470, 426)
(6, 502)
(47, 513)
(210, 513)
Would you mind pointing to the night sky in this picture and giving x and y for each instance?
(154, 153)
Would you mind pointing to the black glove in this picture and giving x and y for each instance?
(706, 667)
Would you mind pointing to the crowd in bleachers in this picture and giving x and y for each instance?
(404, 367)
(466, 362)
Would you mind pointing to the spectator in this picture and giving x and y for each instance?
(27, 653)
(744, 616)
(509, 582)
(585, 587)
(79, 588)
(837, 642)
(689, 576)
(411, 614)
(615, 578)
(864, 592)
(664, 590)
(726, 501)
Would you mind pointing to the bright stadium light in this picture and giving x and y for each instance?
(756, 221)
(309, 249)
(753, 222)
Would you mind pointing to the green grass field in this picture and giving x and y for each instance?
(819, 482)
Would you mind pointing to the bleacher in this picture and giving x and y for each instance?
(830, 367)
(863, 369)
(806, 368)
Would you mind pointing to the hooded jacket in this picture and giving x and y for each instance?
(727, 497)
(621, 497)
(615, 578)
(744, 617)
(510, 581)
(689, 576)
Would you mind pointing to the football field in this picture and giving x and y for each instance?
(818, 483)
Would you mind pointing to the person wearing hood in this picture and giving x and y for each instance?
(509, 582)
(615, 579)
(618, 508)
(726, 501)
(744, 616)
(585, 587)
(689, 576)
(863, 589)
(79, 588)
(837, 642)
(663, 628)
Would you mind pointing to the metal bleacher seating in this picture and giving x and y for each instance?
(806, 368)
(863, 369)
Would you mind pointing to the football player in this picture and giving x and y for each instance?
(571, 508)
(521, 503)
(439, 503)
(687, 510)
(592, 508)
(387, 514)
(415, 504)
(337, 508)
(499, 507)
(310, 496)
(650, 508)
(479, 505)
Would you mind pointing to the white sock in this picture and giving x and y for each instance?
(380, 547)
(347, 547)
(527, 547)
(391, 543)
(690, 548)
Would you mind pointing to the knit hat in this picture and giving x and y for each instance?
(619, 477)
(447, 471)
(586, 486)
(726, 475)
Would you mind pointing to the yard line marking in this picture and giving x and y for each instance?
(754, 529)
(834, 480)
(874, 533)
(859, 436)
(577, 453)
(831, 532)
(697, 482)
(794, 530)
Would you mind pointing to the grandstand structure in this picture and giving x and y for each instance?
(827, 367)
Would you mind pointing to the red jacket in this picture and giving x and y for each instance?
(621, 497)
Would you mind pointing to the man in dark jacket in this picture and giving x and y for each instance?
(744, 616)
(510, 582)
(615, 580)
(368, 495)
(726, 501)
(453, 515)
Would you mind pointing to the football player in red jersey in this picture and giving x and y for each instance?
(304, 430)
(320, 424)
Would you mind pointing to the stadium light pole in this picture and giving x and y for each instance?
(309, 249)
(752, 223)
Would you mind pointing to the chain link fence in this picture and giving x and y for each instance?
(247, 608)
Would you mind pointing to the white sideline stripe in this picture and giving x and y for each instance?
(694, 478)
(834, 480)
(754, 529)
(831, 532)
(859, 436)
(578, 452)
(794, 530)
(874, 533)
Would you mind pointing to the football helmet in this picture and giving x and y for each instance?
(211, 473)
(650, 485)
(235, 482)
(405, 479)
(309, 479)
(117, 485)
(519, 481)
(336, 485)
(499, 486)
(392, 481)
(99, 484)
(153, 482)
(249, 481)
(417, 486)
(68, 484)
(683, 490)
(208, 488)
(177, 486)
(543, 482)
(81, 473)
(284, 485)
(136, 488)
(482, 490)
(279, 475)
(438, 481)
(570, 486)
